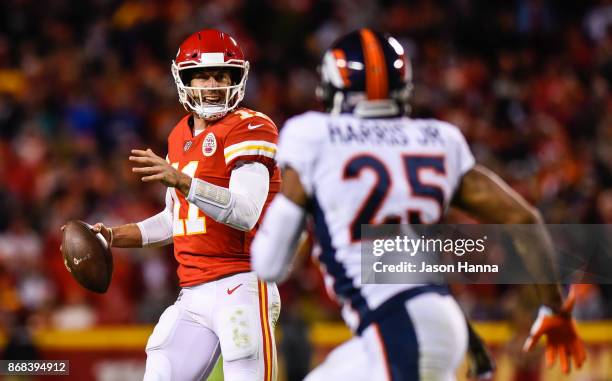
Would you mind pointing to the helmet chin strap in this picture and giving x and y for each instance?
(212, 112)
(210, 115)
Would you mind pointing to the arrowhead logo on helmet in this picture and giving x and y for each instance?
(210, 48)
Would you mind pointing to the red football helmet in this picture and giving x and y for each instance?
(205, 49)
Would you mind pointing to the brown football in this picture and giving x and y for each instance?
(87, 256)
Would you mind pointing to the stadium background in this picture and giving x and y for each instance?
(83, 82)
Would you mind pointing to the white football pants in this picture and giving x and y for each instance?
(233, 316)
(425, 340)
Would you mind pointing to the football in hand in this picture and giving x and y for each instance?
(87, 256)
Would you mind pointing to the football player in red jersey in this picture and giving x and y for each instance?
(221, 174)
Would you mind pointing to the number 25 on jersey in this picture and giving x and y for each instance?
(412, 164)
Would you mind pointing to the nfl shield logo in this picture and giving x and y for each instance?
(187, 145)
(210, 145)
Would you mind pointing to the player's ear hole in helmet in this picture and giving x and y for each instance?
(367, 74)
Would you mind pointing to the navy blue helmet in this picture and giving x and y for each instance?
(365, 73)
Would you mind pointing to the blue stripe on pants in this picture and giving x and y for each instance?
(401, 345)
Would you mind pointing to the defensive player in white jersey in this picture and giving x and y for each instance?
(365, 162)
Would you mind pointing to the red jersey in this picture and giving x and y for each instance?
(205, 249)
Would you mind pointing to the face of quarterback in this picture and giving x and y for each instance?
(212, 79)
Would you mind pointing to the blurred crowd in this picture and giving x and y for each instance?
(529, 82)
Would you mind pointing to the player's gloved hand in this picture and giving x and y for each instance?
(561, 336)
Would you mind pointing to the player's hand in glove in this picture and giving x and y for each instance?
(561, 336)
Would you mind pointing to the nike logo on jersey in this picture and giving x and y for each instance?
(252, 127)
(231, 291)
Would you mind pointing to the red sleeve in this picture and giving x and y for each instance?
(253, 139)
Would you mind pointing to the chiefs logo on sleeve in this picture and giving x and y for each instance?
(253, 139)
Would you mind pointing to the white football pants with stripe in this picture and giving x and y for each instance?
(424, 340)
(233, 316)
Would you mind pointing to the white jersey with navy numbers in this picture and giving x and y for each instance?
(370, 171)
